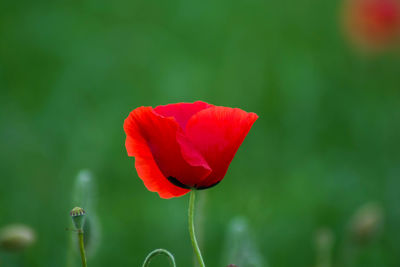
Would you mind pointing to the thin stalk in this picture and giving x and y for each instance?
(191, 228)
(157, 252)
(82, 248)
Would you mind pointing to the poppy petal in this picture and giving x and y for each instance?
(217, 132)
(182, 112)
(156, 135)
(145, 165)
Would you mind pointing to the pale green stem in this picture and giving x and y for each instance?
(157, 252)
(191, 228)
(82, 248)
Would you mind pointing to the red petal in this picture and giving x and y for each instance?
(182, 112)
(151, 138)
(217, 132)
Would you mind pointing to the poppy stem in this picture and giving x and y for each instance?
(157, 252)
(191, 228)
(82, 248)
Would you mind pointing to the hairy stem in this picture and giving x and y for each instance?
(191, 228)
(82, 248)
(157, 252)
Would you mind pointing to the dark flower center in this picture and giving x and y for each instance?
(177, 183)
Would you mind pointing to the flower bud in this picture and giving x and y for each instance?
(372, 25)
(16, 237)
(84, 190)
(240, 246)
(78, 217)
(84, 194)
(366, 222)
(324, 240)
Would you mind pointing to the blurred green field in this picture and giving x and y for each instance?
(327, 140)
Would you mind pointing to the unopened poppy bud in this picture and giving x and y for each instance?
(78, 217)
(366, 222)
(324, 240)
(16, 237)
(84, 194)
(240, 245)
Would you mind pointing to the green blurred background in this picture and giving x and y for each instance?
(326, 143)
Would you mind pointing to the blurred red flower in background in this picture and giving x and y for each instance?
(372, 24)
(182, 146)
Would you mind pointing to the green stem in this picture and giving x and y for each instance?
(157, 252)
(191, 228)
(82, 248)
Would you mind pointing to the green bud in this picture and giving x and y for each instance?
(324, 241)
(84, 194)
(367, 222)
(16, 237)
(78, 217)
(84, 190)
(240, 245)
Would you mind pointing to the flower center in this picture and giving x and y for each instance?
(177, 183)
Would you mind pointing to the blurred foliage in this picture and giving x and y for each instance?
(240, 247)
(327, 140)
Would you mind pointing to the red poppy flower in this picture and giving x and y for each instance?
(373, 24)
(182, 146)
